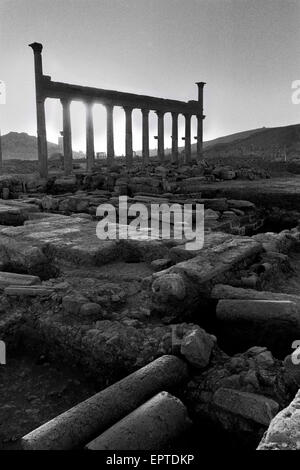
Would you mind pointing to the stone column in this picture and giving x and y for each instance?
(40, 110)
(67, 137)
(187, 146)
(145, 113)
(199, 137)
(80, 424)
(163, 413)
(128, 136)
(175, 137)
(90, 151)
(160, 136)
(110, 135)
(200, 118)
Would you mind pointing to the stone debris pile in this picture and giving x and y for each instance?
(118, 306)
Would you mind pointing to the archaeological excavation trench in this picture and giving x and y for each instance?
(107, 338)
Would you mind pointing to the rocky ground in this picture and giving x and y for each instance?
(34, 391)
(108, 308)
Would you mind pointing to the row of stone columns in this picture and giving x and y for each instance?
(90, 151)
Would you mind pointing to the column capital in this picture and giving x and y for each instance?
(89, 103)
(175, 113)
(200, 86)
(128, 109)
(145, 111)
(36, 47)
(65, 101)
(109, 106)
(160, 113)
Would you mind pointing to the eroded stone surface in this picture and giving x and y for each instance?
(197, 346)
(284, 430)
(240, 394)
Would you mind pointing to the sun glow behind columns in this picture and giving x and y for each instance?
(137, 130)
(126, 45)
(152, 131)
(168, 132)
(194, 132)
(99, 114)
(54, 127)
(181, 130)
(53, 110)
(78, 111)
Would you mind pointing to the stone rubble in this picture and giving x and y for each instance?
(115, 306)
(284, 430)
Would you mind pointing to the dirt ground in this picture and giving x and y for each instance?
(32, 391)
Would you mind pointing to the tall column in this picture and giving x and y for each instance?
(187, 146)
(110, 135)
(199, 137)
(40, 109)
(160, 136)
(200, 118)
(128, 136)
(67, 137)
(90, 151)
(175, 137)
(145, 113)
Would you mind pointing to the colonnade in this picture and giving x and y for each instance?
(67, 93)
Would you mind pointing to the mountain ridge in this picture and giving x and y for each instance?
(22, 146)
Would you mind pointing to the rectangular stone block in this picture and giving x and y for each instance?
(257, 408)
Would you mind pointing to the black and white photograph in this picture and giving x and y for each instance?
(149, 229)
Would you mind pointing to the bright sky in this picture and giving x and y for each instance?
(246, 50)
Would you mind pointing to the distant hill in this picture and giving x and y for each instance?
(21, 146)
(267, 143)
(227, 139)
(265, 137)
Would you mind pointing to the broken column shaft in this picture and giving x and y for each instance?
(82, 423)
(247, 322)
(152, 426)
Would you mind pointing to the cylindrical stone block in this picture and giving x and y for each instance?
(262, 311)
(152, 426)
(82, 423)
(271, 323)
